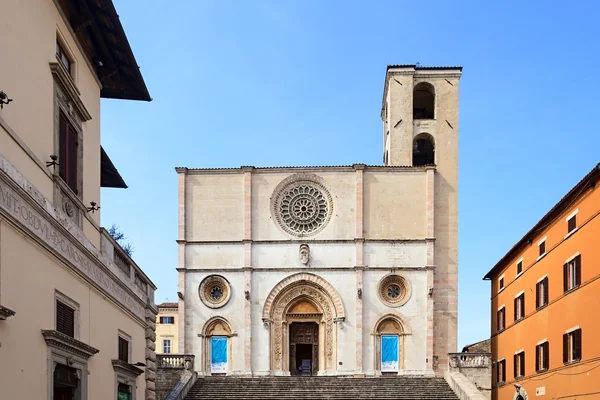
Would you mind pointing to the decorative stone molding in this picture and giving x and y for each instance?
(126, 368)
(150, 314)
(214, 291)
(69, 90)
(6, 313)
(326, 301)
(303, 278)
(394, 290)
(302, 204)
(61, 341)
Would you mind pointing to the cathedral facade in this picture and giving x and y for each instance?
(339, 270)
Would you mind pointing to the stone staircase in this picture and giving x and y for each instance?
(397, 388)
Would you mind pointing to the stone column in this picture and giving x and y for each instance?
(247, 239)
(359, 265)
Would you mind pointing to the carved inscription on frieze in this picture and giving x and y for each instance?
(15, 205)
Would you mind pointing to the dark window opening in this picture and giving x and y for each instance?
(519, 267)
(65, 383)
(423, 101)
(572, 223)
(501, 283)
(123, 349)
(167, 320)
(65, 319)
(542, 248)
(124, 391)
(62, 56)
(68, 152)
(423, 150)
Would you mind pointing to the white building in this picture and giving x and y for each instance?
(345, 270)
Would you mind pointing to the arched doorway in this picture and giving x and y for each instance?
(302, 313)
(216, 355)
(389, 334)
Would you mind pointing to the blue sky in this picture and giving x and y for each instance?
(270, 83)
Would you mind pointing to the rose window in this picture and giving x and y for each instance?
(303, 209)
(214, 291)
(394, 290)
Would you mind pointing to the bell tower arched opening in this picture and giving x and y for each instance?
(423, 150)
(424, 101)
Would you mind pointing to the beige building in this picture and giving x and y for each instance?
(77, 315)
(343, 270)
(167, 328)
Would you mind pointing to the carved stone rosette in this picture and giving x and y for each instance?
(302, 204)
(394, 290)
(214, 291)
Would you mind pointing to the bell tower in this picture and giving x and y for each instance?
(420, 127)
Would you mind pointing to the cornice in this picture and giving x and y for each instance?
(61, 341)
(6, 313)
(126, 368)
(65, 80)
(303, 240)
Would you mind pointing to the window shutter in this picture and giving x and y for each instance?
(546, 290)
(566, 277)
(62, 147)
(566, 348)
(537, 295)
(72, 148)
(161, 320)
(546, 355)
(515, 309)
(504, 318)
(503, 371)
(578, 270)
(522, 364)
(537, 358)
(522, 305)
(515, 364)
(65, 319)
(123, 349)
(577, 344)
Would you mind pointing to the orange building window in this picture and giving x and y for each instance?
(501, 371)
(519, 307)
(519, 365)
(572, 346)
(501, 319)
(572, 273)
(541, 293)
(519, 267)
(572, 223)
(501, 283)
(542, 357)
(542, 247)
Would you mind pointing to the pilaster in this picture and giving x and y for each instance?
(247, 268)
(430, 215)
(359, 243)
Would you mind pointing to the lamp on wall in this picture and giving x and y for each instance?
(93, 207)
(53, 162)
(4, 99)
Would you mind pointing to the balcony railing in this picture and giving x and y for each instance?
(175, 361)
(470, 360)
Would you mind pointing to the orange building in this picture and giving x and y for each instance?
(546, 304)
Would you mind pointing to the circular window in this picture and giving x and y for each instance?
(394, 290)
(302, 204)
(214, 291)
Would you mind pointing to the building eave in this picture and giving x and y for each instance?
(577, 191)
(109, 175)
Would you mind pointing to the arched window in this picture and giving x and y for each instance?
(389, 334)
(424, 101)
(423, 150)
(217, 346)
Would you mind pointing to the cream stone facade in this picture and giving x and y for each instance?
(345, 270)
(167, 328)
(76, 313)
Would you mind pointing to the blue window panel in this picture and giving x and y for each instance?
(389, 353)
(218, 352)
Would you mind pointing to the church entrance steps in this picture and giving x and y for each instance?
(398, 388)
